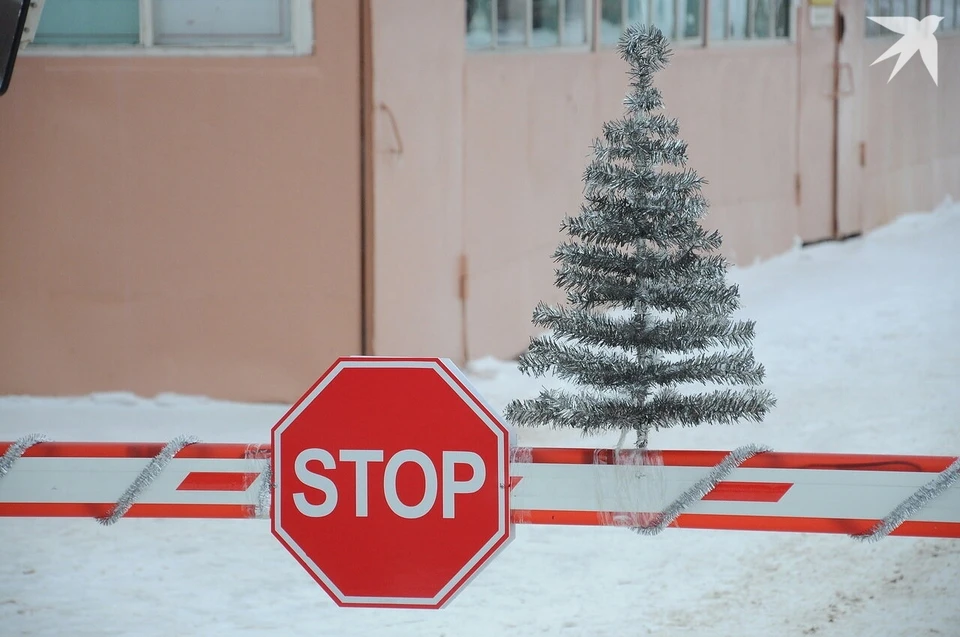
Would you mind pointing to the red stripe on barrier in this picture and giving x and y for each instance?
(770, 460)
(737, 523)
(570, 518)
(217, 481)
(219, 451)
(98, 510)
(749, 491)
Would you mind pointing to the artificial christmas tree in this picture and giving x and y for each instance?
(649, 311)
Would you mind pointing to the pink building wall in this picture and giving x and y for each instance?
(228, 226)
(182, 224)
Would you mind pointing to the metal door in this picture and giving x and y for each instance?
(817, 119)
(850, 144)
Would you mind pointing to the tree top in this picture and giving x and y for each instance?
(644, 48)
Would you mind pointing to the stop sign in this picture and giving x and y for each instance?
(391, 482)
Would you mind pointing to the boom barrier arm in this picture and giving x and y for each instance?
(866, 496)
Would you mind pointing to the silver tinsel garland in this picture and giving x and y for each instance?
(147, 476)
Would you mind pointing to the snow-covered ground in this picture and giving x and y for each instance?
(861, 341)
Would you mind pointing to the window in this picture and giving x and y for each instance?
(884, 8)
(749, 19)
(680, 20)
(502, 24)
(527, 23)
(176, 24)
(615, 15)
(949, 9)
(88, 22)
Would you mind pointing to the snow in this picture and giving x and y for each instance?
(860, 341)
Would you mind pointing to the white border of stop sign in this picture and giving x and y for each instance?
(455, 379)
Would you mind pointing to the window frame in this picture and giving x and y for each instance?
(301, 41)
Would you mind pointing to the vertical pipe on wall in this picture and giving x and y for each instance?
(798, 30)
(366, 182)
(838, 22)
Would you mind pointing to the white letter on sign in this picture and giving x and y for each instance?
(316, 481)
(390, 484)
(362, 457)
(450, 486)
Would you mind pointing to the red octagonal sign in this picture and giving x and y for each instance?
(391, 482)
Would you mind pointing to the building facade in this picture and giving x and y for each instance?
(221, 202)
